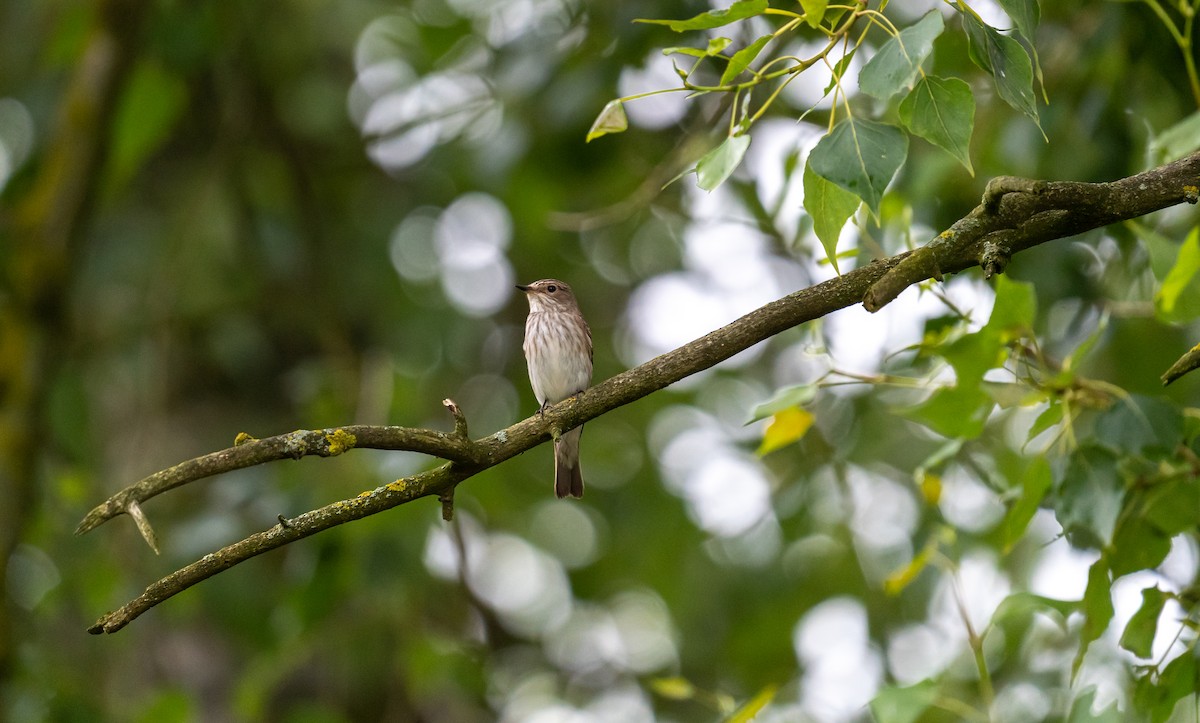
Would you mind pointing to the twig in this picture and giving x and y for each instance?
(248, 451)
(1186, 363)
(309, 523)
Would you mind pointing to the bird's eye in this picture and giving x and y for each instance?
(551, 288)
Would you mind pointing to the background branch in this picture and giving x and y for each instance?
(1014, 215)
(42, 233)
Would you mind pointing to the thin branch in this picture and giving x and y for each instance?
(248, 451)
(286, 531)
(1015, 215)
(1190, 361)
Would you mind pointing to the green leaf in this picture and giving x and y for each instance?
(743, 58)
(814, 11)
(1025, 15)
(1161, 250)
(720, 162)
(1152, 516)
(1173, 505)
(152, 102)
(839, 71)
(861, 156)
(788, 426)
(1178, 299)
(1081, 709)
(899, 60)
(830, 206)
(740, 10)
(1097, 608)
(942, 111)
(611, 120)
(903, 705)
(973, 355)
(1081, 352)
(1140, 425)
(1177, 680)
(1176, 141)
(1137, 545)
(1015, 308)
(685, 50)
(798, 395)
(944, 453)
(1007, 61)
(715, 46)
(1138, 637)
(1035, 484)
(954, 411)
(1012, 394)
(1018, 608)
(1047, 419)
(752, 707)
(1089, 497)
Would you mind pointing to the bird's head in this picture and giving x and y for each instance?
(549, 295)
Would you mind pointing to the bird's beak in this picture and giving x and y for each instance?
(523, 287)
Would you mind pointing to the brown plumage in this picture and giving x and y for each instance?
(558, 349)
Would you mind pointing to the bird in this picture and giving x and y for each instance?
(558, 350)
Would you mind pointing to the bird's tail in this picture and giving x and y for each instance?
(568, 480)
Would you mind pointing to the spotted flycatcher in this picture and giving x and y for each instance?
(558, 348)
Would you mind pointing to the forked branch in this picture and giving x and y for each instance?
(1014, 215)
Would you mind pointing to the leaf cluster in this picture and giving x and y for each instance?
(862, 150)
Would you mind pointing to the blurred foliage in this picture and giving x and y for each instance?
(978, 504)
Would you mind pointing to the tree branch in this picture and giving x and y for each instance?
(1014, 215)
(1018, 213)
(248, 451)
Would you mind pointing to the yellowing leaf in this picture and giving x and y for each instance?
(787, 426)
(944, 537)
(900, 579)
(931, 487)
(673, 688)
(750, 710)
